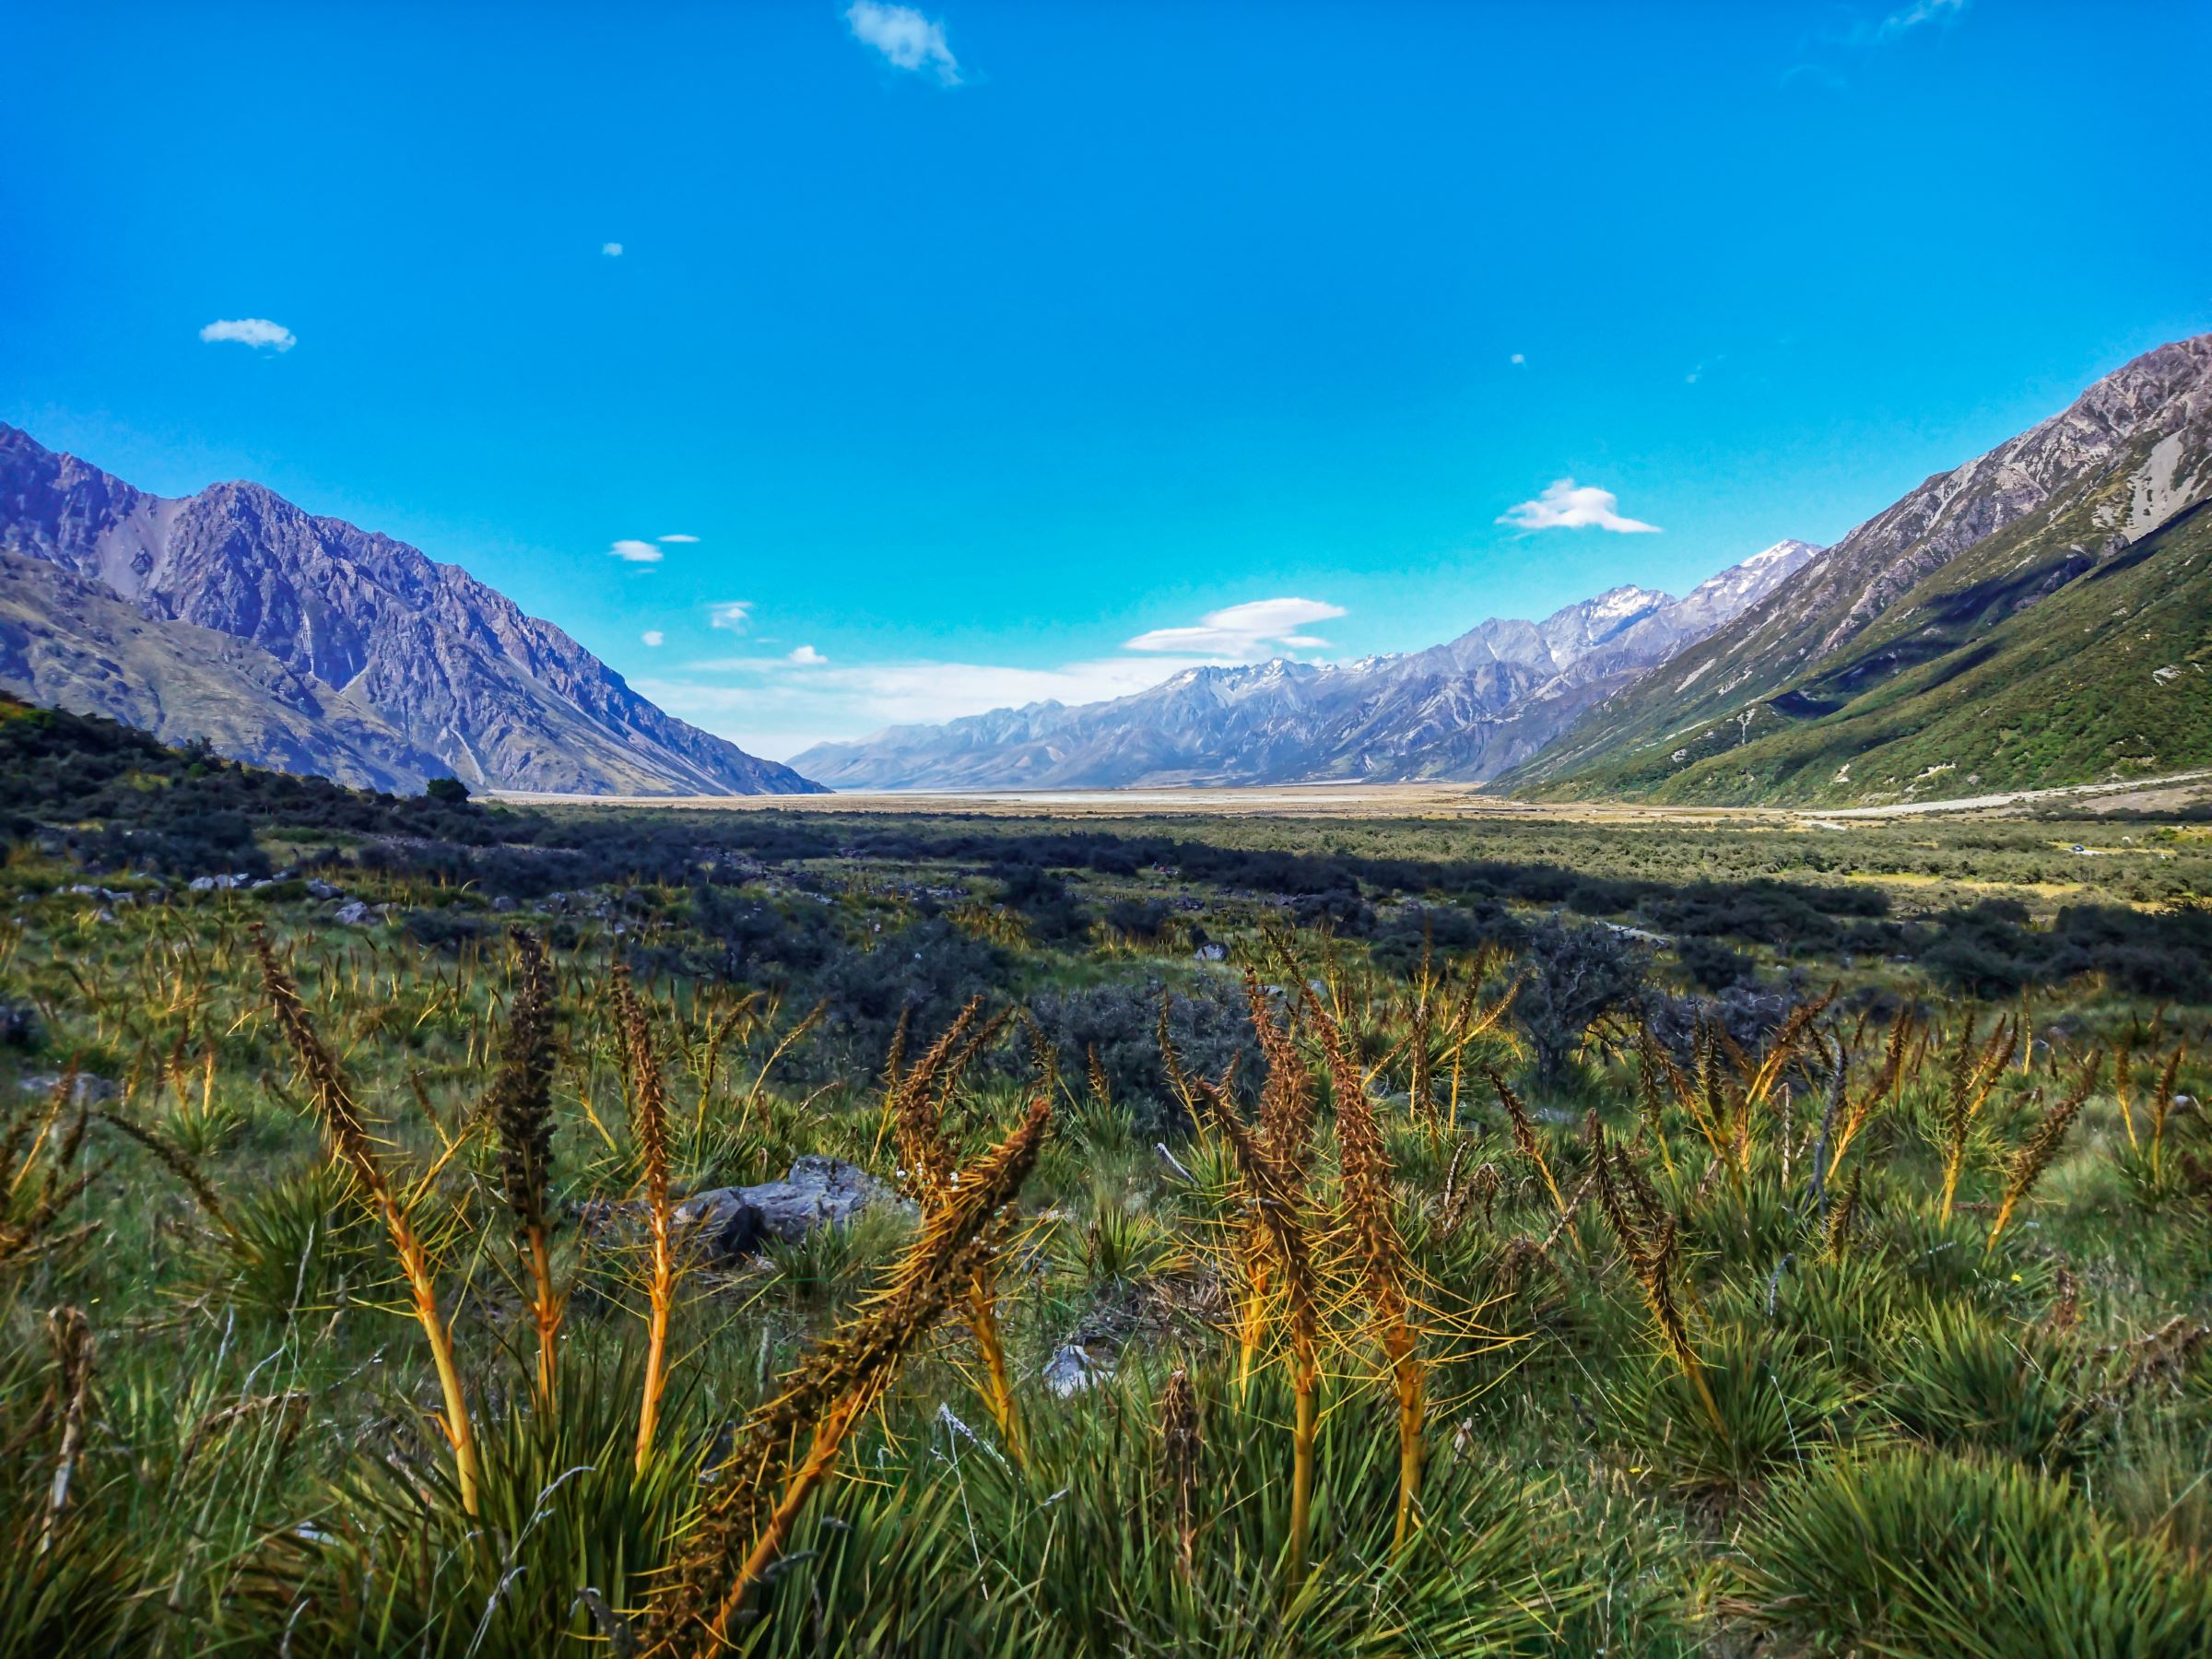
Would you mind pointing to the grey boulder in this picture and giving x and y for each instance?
(725, 1223)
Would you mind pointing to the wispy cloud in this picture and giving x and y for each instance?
(1565, 505)
(686, 539)
(733, 615)
(906, 39)
(1244, 630)
(612, 250)
(250, 330)
(1915, 16)
(777, 704)
(779, 713)
(636, 552)
(654, 638)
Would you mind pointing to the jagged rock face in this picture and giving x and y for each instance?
(2126, 458)
(1465, 710)
(461, 679)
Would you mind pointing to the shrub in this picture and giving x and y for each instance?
(1908, 1551)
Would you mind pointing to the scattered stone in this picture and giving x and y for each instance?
(88, 1091)
(1213, 950)
(1072, 1369)
(729, 1222)
(319, 888)
(503, 903)
(353, 913)
(18, 1025)
(219, 884)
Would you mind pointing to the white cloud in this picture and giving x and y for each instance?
(1565, 505)
(906, 38)
(733, 615)
(654, 638)
(1517, 360)
(1242, 630)
(777, 713)
(612, 250)
(636, 552)
(1913, 17)
(686, 539)
(806, 656)
(251, 331)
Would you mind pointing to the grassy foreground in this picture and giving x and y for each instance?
(1467, 1285)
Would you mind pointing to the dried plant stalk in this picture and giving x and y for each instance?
(1384, 1270)
(1835, 1232)
(1179, 1445)
(649, 1109)
(2026, 1167)
(349, 1136)
(521, 1115)
(2161, 1107)
(73, 1385)
(1973, 1073)
(1273, 1199)
(1649, 1246)
(1857, 1113)
(841, 1380)
(1524, 1135)
(917, 1102)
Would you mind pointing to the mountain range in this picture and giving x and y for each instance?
(235, 618)
(1468, 710)
(2041, 615)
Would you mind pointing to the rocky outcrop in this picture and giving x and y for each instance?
(727, 1223)
(303, 642)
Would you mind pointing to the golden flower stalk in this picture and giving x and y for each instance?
(349, 1132)
(2026, 1167)
(1859, 1112)
(648, 1112)
(1835, 1232)
(1973, 1073)
(1179, 1445)
(522, 1115)
(1524, 1135)
(1275, 1203)
(927, 1163)
(1649, 1246)
(841, 1380)
(1384, 1270)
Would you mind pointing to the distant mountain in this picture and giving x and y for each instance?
(2041, 615)
(1464, 711)
(305, 644)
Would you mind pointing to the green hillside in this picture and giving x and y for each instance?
(2014, 667)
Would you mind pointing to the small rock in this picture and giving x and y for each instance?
(503, 903)
(1071, 1370)
(1213, 950)
(353, 913)
(88, 1091)
(729, 1222)
(319, 888)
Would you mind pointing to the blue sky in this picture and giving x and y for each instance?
(976, 343)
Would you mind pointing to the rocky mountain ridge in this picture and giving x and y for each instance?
(1465, 710)
(305, 643)
(1896, 666)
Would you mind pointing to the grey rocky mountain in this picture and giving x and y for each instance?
(1465, 710)
(306, 643)
(1919, 583)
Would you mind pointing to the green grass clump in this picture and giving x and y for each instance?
(1934, 1554)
